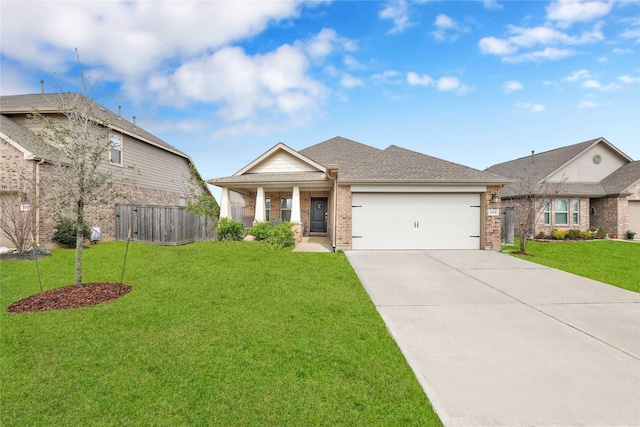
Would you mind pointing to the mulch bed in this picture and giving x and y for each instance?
(71, 296)
(14, 257)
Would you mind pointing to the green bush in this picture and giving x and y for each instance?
(540, 235)
(281, 236)
(601, 233)
(584, 234)
(559, 234)
(230, 230)
(65, 232)
(261, 231)
(574, 233)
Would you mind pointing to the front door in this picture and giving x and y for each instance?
(318, 215)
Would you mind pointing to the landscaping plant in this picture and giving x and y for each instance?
(229, 230)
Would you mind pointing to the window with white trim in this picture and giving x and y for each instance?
(285, 208)
(115, 152)
(575, 212)
(267, 208)
(547, 212)
(561, 214)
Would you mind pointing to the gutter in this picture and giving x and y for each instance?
(330, 170)
(38, 201)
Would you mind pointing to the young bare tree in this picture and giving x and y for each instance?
(18, 217)
(80, 134)
(528, 198)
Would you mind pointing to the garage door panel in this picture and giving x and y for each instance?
(634, 217)
(416, 221)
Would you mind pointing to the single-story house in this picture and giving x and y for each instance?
(362, 197)
(597, 186)
(155, 172)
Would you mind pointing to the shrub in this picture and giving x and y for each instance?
(540, 235)
(585, 234)
(230, 230)
(574, 233)
(559, 234)
(65, 232)
(601, 233)
(281, 237)
(261, 231)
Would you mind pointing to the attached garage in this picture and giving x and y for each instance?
(416, 220)
(634, 217)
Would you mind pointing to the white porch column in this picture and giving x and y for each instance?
(224, 204)
(259, 214)
(295, 206)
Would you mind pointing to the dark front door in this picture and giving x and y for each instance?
(318, 215)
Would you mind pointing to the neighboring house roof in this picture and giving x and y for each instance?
(52, 103)
(537, 167)
(359, 163)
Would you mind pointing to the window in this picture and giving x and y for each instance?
(561, 212)
(285, 209)
(267, 208)
(115, 155)
(547, 212)
(575, 211)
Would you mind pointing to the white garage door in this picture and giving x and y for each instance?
(634, 217)
(416, 221)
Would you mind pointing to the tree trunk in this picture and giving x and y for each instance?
(523, 242)
(79, 241)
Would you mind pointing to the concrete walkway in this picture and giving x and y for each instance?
(314, 244)
(498, 341)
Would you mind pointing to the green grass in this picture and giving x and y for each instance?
(608, 261)
(211, 334)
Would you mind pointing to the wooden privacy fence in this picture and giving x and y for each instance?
(162, 225)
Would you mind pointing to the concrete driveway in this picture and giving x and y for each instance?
(498, 341)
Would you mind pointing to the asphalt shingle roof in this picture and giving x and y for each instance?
(402, 165)
(27, 139)
(340, 151)
(622, 178)
(269, 177)
(51, 102)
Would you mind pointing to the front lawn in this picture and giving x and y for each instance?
(211, 334)
(609, 261)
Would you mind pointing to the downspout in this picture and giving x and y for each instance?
(38, 201)
(335, 206)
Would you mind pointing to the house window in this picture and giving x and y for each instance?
(547, 212)
(115, 153)
(267, 208)
(285, 209)
(575, 211)
(561, 212)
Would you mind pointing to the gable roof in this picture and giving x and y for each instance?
(541, 165)
(25, 140)
(340, 151)
(52, 103)
(396, 164)
(620, 180)
(273, 150)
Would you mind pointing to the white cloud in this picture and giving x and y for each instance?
(523, 39)
(548, 54)
(492, 5)
(448, 83)
(243, 85)
(531, 107)
(446, 27)
(444, 22)
(566, 12)
(588, 104)
(591, 84)
(416, 80)
(352, 63)
(323, 44)
(628, 79)
(578, 75)
(619, 51)
(386, 77)
(495, 46)
(348, 81)
(512, 86)
(398, 12)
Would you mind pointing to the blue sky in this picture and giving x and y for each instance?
(474, 82)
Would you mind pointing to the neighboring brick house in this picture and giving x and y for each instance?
(365, 198)
(600, 187)
(155, 172)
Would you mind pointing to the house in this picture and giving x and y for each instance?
(597, 186)
(362, 197)
(156, 173)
